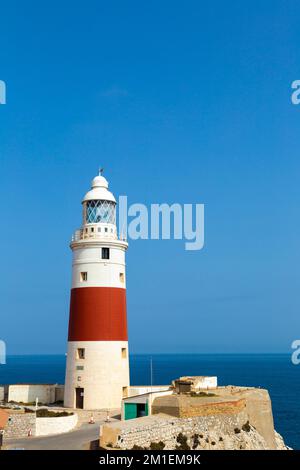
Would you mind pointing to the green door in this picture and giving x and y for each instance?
(130, 410)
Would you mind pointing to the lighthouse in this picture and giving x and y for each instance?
(97, 370)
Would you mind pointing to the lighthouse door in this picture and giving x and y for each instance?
(79, 397)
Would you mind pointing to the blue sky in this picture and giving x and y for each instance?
(184, 102)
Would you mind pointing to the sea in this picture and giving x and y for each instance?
(274, 372)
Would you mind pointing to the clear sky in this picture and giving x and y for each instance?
(184, 102)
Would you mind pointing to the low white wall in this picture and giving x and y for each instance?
(1, 393)
(27, 393)
(47, 426)
(134, 390)
(207, 382)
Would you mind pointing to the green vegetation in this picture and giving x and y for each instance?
(28, 410)
(45, 413)
(157, 445)
(237, 430)
(246, 427)
(196, 441)
(30, 403)
(182, 441)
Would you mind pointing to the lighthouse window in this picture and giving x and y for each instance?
(122, 277)
(105, 253)
(100, 211)
(124, 353)
(80, 353)
(83, 276)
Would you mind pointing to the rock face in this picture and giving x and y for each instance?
(233, 418)
(202, 433)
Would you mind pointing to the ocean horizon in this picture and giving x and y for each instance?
(274, 372)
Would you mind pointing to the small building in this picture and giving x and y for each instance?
(140, 399)
(139, 402)
(195, 383)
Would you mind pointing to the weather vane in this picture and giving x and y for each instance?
(101, 171)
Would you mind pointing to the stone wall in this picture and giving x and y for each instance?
(213, 432)
(19, 424)
(182, 406)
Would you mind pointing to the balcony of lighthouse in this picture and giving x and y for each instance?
(96, 232)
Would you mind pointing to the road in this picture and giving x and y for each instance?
(74, 440)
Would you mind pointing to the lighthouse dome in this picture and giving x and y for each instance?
(99, 182)
(99, 191)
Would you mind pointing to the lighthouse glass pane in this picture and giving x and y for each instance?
(100, 211)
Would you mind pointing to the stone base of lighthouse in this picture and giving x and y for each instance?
(98, 374)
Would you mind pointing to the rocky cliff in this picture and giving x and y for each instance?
(234, 418)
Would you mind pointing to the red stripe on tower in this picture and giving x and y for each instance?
(98, 314)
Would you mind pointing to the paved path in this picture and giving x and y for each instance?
(74, 440)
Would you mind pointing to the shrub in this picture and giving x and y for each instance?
(237, 430)
(45, 413)
(246, 427)
(157, 445)
(135, 447)
(28, 410)
(182, 441)
(196, 441)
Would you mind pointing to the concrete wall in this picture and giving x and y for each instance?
(48, 426)
(27, 393)
(19, 425)
(2, 393)
(59, 393)
(141, 389)
(259, 409)
(206, 383)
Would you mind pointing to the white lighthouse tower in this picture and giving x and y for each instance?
(97, 372)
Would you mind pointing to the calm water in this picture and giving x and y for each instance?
(274, 372)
